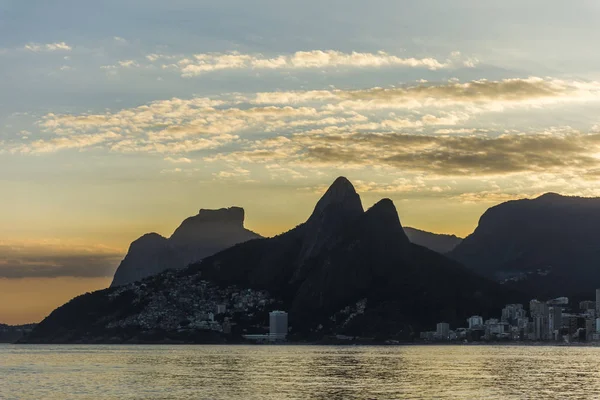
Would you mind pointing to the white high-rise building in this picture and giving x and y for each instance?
(475, 322)
(443, 330)
(278, 325)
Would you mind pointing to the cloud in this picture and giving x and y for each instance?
(460, 131)
(204, 63)
(277, 171)
(427, 129)
(128, 64)
(54, 259)
(123, 64)
(169, 127)
(179, 160)
(476, 155)
(400, 185)
(455, 156)
(233, 173)
(404, 186)
(49, 47)
(171, 147)
(155, 56)
(492, 197)
(171, 171)
(495, 95)
(66, 142)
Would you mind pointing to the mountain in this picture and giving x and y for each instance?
(548, 246)
(197, 237)
(433, 241)
(365, 255)
(343, 271)
(12, 333)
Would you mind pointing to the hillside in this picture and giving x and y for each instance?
(548, 246)
(343, 271)
(433, 241)
(197, 237)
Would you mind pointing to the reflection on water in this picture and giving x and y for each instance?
(298, 372)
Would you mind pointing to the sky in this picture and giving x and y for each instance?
(123, 117)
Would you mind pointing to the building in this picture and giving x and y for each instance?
(496, 329)
(475, 322)
(442, 330)
(554, 322)
(598, 302)
(587, 305)
(221, 308)
(523, 323)
(590, 328)
(512, 312)
(278, 325)
(461, 333)
(541, 327)
(538, 308)
(574, 323)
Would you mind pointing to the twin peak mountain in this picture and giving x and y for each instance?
(340, 257)
(212, 231)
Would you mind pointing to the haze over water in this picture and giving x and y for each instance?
(298, 372)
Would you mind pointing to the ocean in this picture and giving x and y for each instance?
(48, 372)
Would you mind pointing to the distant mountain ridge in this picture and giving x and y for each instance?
(197, 237)
(12, 333)
(433, 241)
(548, 246)
(344, 271)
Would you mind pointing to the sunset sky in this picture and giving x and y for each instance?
(123, 117)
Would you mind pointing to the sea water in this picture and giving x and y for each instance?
(36, 372)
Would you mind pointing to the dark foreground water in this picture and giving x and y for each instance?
(298, 372)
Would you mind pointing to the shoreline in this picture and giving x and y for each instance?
(317, 344)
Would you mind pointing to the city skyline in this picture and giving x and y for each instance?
(122, 118)
(548, 320)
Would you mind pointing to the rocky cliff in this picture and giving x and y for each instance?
(197, 237)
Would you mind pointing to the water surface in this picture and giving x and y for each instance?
(298, 372)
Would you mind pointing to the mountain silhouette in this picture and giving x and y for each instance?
(352, 256)
(434, 241)
(548, 246)
(197, 237)
(343, 271)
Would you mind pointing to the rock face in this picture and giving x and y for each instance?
(355, 256)
(433, 241)
(548, 246)
(197, 237)
(343, 271)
